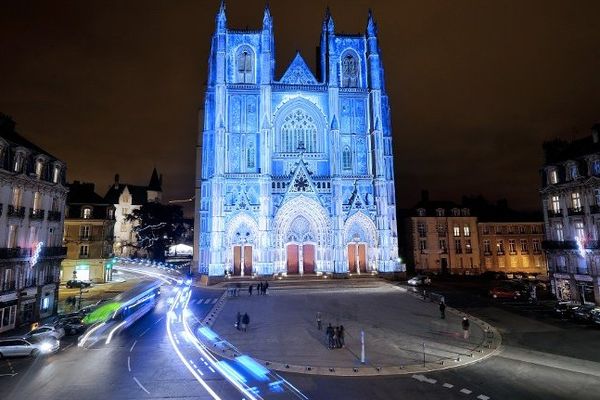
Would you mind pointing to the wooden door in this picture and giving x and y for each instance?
(237, 260)
(247, 260)
(292, 259)
(362, 257)
(308, 259)
(352, 258)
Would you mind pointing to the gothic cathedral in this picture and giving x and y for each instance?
(297, 173)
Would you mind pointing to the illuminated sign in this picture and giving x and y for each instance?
(36, 254)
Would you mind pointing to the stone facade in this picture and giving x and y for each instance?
(32, 204)
(297, 173)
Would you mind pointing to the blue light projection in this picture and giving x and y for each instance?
(297, 172)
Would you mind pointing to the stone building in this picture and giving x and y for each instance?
(32, 204)
(126, 198)
(571, 201)
(88, 235)
(297, 171)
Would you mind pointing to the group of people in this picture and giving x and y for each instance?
(261, 288)
(465, 321)
(335, 335)
(242, 322)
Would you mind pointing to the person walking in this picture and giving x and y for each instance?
(245, 322)
(250, 289)
(336, 337)
(341, 336)
(329, 333)
(238, 320)
(266, 286)
(442, 310)
(259, 288)
(319, 324)
(465, 326)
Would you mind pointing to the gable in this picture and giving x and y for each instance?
(298, 73)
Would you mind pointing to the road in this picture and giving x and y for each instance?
(541, 358)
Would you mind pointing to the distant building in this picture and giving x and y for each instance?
(571, 202)
(32, 203)
(89, 235)
(126, 198)
(441, 237)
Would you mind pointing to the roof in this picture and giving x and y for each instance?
(154, 182)
(8, 133)
(139, 194)
(83, 193)
(558, 150)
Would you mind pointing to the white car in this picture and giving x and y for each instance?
(35, 346)
(45, 331)
(419, 280)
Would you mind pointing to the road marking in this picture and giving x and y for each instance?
(143, 333)
(465, 391)
(199, 301)
(140, 385)
(215, 300)
(448, 385)
(67, 346)
(129, 363)
(132, 346)
(11, 375)
(212, 370)
(423, 378)
(483, 397)
(158, 320)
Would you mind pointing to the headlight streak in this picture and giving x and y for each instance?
(89, 332)
(112, 332)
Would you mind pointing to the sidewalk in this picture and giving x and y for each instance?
(402, 332)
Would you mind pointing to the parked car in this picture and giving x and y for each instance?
(42, 331)
(419, 280)
(583, 313)
(72, 325)
(34, 346)
(596, 315)
(74, 283)
(505, 292)
(564, 309)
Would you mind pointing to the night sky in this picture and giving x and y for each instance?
(475, 86)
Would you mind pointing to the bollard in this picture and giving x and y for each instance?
(362, 347)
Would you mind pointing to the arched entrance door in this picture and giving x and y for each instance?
(242, 256)
(300, 258)
(357, 257)
(293, 261)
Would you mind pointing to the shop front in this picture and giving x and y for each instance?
(8, 311)
(585, 289)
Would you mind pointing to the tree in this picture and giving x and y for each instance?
(156, 227)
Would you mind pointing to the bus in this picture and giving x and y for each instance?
(118, 314)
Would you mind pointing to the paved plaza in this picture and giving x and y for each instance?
(401, 330)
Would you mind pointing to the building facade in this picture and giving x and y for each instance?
(32, 204)
(126, 198)
(443, 239)
(88, 235)
(512, 247)
(571, 201)
(297, 173)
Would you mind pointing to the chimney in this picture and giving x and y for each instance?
(596, 133)
(116, 181)
(424, 196)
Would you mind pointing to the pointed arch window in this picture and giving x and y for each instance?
(298, 133)
(346, 159)
(250, 156)
(349, 70)
(245, 66)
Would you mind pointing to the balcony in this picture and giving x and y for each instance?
(575, 211)
(487, 253)
(18, 212)
(553, 214)
(36, 214)
(595, 209)
(8, 287)
(14, 252)
(559, 245)
(30, 283)
(500, 252)
(54, 215)
(57, 251)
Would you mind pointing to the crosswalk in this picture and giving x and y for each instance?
(212, 300)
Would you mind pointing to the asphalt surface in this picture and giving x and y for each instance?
(542, 358)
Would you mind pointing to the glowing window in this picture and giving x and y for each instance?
(245, 66)
(347, 158)
(298, 133)
(349, 71)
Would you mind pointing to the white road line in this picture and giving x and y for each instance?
(129, 363)
(143, 333)
(214, 372)
(67, 346)
(215, 300)
(132, 346)
(465, 391)
(158, 320)
(448, 385)
(140, 385)
(483, 397)
(11, 375)
(199, 301)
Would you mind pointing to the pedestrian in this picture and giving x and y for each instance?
(250, 289)
(329, 333)
(442, 310)
(259, 288)
(341, 336)
(266, 286)
(465, 326)
(336, 337)
(238, 320)
(319, 324)
(245, 322)
(238, 286)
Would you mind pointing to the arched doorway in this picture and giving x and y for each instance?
(241, 237)
(360, 236)
(300, 258)
(357, 257)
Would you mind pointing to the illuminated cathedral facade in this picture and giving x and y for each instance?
(297, 171)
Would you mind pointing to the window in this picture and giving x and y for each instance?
(558, 232)
(524, 246)
(39, 166)
(439, 212)
(56, 174)
(468, 247)
(250, 156)
(84, 232)
(458, 246)
(441, 229)
(298, 133)
(443, 245)
(512, 247)
(596, 167)
(486, 247)
(84, 250)
(498, 230)
(45, 304)
(37, 201)
(12, 237)
(455, 212)
(579, 230)
(597, 196)
(245, 66)
(18, 162)
(573, 171)
(346, 159)
(456, 230)
(486, 230)
(553, 177)
(17, 195)
(467, 230)
(500, 246)
(349, 70)
(555, 204)
(422, 245)
(576, 201)
(111, 213)
(422, 229)
(123, 227)
(87, 213)
(521, 229)
(536, 246)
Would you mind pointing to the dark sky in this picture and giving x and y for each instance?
(475, 86)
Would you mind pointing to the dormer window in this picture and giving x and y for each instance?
(455, 212)
(111, 213)
(439, 212)
(421, 212)
(573, 174)
(465, 212)
(56, 174)
(86, 213)
(596, 167)
(18, 162)
(39, 167)
(553, 177)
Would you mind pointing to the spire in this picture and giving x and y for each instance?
(221, 17)
(334, 124)
(267, 19)
(371, 25)
(329, 21)
(154, 182)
